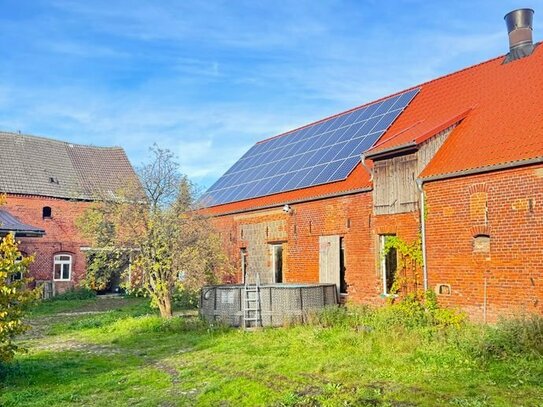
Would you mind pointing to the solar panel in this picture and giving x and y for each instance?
(320, 153)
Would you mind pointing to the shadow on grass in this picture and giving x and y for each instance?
(58, 378)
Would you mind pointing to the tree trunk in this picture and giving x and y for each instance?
(165, 306)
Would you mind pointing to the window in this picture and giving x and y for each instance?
(389, 264)
(342, 281)
(18, 276)
(244, 264)
(62, 267)
(46, 212)
(277, 258)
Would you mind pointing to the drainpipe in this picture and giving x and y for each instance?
(363, 162)
(423, 235)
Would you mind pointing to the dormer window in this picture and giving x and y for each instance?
(46, 212)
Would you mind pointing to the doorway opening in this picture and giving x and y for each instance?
(389, 264)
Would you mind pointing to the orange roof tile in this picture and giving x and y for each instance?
(503, 109)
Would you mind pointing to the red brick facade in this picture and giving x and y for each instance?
(507, 207)
(61, 235)
(349, 217)
(504, 205)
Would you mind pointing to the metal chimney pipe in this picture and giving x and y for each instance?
(519, 27)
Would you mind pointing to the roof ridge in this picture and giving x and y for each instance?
(67, 143)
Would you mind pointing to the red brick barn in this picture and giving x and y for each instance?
(48, 185)
(319, 202)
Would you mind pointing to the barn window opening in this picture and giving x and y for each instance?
(443, 289)
(481, 244)
(389, 263)
(277, 260)
(46, 212)
(342, 268)
(62, 267)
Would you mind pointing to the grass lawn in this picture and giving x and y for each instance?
(117, 352)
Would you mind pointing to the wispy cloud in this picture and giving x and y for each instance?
(209, 79)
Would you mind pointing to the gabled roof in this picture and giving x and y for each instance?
(33, 165)
(499, 108)
(9, 223)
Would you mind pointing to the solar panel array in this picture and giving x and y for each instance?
(323, 152)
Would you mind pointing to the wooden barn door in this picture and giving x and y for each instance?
(329, 261)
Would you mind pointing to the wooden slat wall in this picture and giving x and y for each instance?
(394, 179)
(430, 147)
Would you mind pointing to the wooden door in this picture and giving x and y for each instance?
(329, 262)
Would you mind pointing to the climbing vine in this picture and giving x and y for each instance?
(408, 271)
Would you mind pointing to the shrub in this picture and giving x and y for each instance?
(185, 299)
(519, 336)
(102, 266)
(14, 295)
(410, 313)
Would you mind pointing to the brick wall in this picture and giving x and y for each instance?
(348, 216)
(506, 206)
(61, 235)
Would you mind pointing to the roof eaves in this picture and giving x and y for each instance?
(296, 201)
(481, 170)
(412, 146)
(392, 151)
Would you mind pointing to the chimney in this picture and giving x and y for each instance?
(519, 27)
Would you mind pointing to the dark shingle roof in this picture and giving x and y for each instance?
(9, 223)
(40, 166)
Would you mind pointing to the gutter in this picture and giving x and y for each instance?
(23, 232)
(404, 148)
(368, 169)
(303, 200)
(482, 170)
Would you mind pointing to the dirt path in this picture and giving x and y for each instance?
(39, 325)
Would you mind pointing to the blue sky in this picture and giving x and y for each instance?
(207, 79)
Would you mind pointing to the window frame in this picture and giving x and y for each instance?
(62, 262)
(274, 246)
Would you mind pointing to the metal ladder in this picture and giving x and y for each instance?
(252, 315)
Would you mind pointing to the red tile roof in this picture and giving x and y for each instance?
(500, 107)
(503, 109)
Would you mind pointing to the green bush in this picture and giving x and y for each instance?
(185, 299)
(79, 293)
(518, 336)
(409, 313)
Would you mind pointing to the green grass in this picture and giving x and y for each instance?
(54, 307)
(127, 355)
